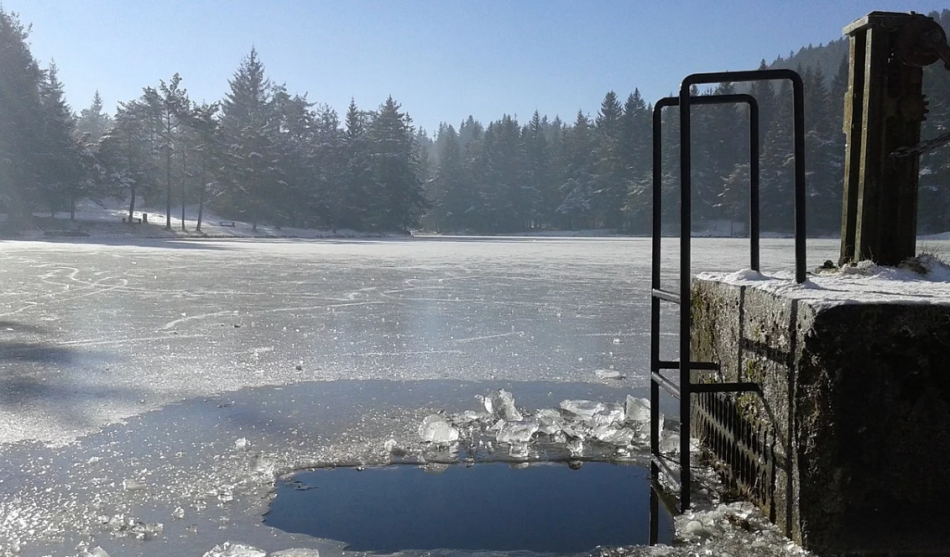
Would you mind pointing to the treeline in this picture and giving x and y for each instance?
(266, 156)
(260, 154)
(597, 172)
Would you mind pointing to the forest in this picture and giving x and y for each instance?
(264, 155)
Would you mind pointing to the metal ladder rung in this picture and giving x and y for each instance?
(699, 366)
(667, 296)
(724, 387)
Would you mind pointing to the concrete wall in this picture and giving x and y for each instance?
(859, 397)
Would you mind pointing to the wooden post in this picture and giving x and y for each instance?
(884, 108)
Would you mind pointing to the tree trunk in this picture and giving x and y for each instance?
(184, 174)
(72, 204)
(168, 189)
(132, 202)
(201, 193)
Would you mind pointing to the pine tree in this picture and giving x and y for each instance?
(165, 106)
(449, 199)
(20, 79)
(60, 175)
(248, 123)
(539, 172)
(92, 121)
(636, 155)
(202, 121)
(578, 187)
(610, 186)
(396, 169)
(125, 154)
(358, 179)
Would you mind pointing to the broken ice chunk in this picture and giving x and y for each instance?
(576, 447)
(178, 513)
(231, 549)
(470, 416)
(550, 422)
(582, 408)
(608, 374)
(503, 406)
(637, 409)
(96, 552)
(518, 432)
(670, 444)
(611, 414)
(435, 429)
(241, 443)
(613, 435)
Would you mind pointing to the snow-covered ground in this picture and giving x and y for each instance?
(167, 381)
(107, 219)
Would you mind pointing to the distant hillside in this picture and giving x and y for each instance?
(829, 56)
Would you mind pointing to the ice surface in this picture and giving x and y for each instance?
(434, 429)
(155, 345)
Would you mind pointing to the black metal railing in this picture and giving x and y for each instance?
(684, 388)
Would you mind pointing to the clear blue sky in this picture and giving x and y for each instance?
(442, 59)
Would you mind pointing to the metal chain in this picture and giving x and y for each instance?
(922, 147)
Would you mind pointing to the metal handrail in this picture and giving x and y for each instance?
(685, 101)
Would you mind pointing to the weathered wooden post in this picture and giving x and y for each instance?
(884, 108)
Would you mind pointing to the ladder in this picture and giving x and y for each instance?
(684, 388)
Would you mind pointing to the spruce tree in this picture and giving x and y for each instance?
(248, 123)
(60, 175)
(396, 169)
(610, 186)
(20, 117)
(92, 121)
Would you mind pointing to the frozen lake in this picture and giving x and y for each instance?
(166, 381)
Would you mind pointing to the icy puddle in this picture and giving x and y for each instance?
(542, 507)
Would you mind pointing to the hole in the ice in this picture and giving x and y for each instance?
(543, 507)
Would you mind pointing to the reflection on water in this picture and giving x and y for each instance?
(542, 507)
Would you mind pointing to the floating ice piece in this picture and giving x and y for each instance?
(608, 374)
(637, 409)
(296, 552)
(241, 443)
(518, 432)
(582, 408)
(96, 552)
(132, 485)
(503, 406)
(435, 429)
(178, 513)
(231, 549)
